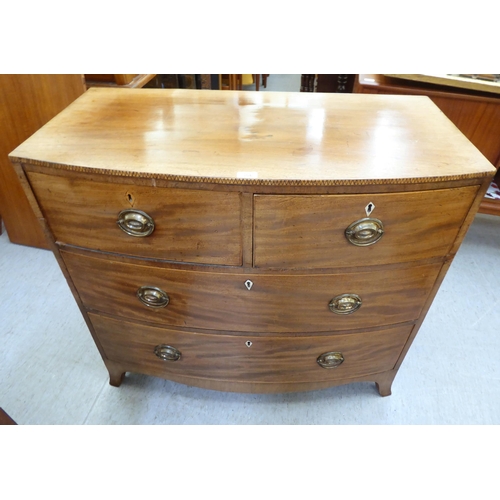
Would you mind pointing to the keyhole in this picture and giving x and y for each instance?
(248, 343)
(248, 284)
(130, 199)
(369, 209)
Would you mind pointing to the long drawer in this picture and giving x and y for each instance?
(238, 302)
(189, 225)
(301, 231)
(249, 358)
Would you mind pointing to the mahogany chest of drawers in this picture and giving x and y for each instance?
(253, 242)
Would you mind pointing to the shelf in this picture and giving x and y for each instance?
(125, 81)
(469, 82)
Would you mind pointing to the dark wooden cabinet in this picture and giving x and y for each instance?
(327, 83)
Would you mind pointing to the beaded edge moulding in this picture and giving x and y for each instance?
(253, 182)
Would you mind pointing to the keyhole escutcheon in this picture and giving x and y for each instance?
(369, 209)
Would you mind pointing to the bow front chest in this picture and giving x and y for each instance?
(253, 242)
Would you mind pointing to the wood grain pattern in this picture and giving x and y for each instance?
(274, 137)
(476, 114)
(275, 303)
(444, 269)
(27, 102)
(190, 225)
(308, 231)
(268, 359)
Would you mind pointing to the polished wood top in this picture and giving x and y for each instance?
(456, 81)
(247, 137)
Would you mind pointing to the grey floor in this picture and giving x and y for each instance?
(51, 371)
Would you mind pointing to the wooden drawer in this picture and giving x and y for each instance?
(268, 359)
(301, 231)
(275, 302)
(190, 225)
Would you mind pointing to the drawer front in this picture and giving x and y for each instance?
(301, 231)
(189, 225)
(274, 303)
(248, 358)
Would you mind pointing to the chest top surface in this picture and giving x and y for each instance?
(256, 137)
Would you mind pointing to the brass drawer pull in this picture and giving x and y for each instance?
(364, 232)
(167, 352)
(135, 223)
(346, 303)
(152, 296)
(330, 359)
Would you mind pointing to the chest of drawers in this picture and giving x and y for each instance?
(253, 242)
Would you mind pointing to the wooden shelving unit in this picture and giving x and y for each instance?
(126, 81)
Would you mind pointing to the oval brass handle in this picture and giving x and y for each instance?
(135, 223)
(152, 296)
(167, 352)
(330, 359)
(364, 232)
(347, 303)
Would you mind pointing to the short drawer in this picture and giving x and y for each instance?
(302, 231)
(189, 225)
(248, 358)
(250, 302)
